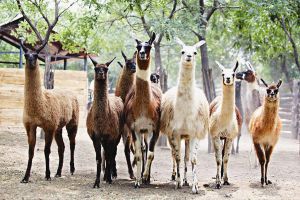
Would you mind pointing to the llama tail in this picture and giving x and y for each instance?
(223, 152)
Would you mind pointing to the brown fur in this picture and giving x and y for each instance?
(142, 113)
(265, 126)
(105, 124)
(51, 110)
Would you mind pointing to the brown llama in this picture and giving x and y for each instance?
(142, 111)
(265, 126)
(124, 84)
(225, 122)
(50, 110)
(104, 122)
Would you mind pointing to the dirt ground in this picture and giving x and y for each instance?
(284, 172)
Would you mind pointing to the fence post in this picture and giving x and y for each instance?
(295, 110)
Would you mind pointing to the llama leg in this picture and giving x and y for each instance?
(47, 151)
(150, 157)
(218, 149)
(261, 157)
(103, 164)
(268, 151)
(108, 148)
(194, 143)
(227, 146)
(72, 132)
(61, 149)
(144, 144)
(113, 160)
(173, 159)
(31, 136)
(137, 138)
(97, 147)
(186, 160)
(238, 143)
(127, 155)
(175, 144)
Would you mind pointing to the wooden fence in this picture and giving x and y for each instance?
(12, 93)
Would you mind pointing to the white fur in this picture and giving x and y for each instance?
(143, 74)
(189, 105)
(143, 123)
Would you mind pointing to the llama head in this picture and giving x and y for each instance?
(249, 75)
(228, 74)
(30, 56)
(154, 77)
(188, 53)
(101, 69)
(144, 48)
(272, 90)
(130, 64)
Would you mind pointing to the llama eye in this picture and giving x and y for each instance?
(195, 53)
(268, 91)
(182, 52)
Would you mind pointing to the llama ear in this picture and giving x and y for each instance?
(23, 46)
(108, 63)
(124, 56)
(93, 61)
(279, 83)
(236, 66)
(179, 41)
(138, 41)
(220, 66)
(152, 38)
(250, 66)
(262, 80)
(120, 64)
(199, 44)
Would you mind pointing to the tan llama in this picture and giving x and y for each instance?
(265, 126)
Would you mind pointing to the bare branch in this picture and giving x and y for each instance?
(29, 21)
(173, 9)
(211, 11)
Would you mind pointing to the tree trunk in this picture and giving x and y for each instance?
(158, 66)
(208, 83)
(285, 71)
(48, 78)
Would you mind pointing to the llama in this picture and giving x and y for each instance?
(225, 122)
(238, 102)
(185, 114)
(154, 77)
(124, 84)
(142, 111)
(104, 122)
(265, 126)
(254, 94)
(50, 110)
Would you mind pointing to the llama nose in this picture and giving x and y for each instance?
(189, 56)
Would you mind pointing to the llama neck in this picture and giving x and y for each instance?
(228, 101)
(270, 111)
(142, 81)
(32, 89)
(252, 86)
(186, 78)
(101, 95)
(126, 82)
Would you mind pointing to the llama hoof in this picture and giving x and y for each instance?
(226, 183)
(268, 182)
(72, 168)
(131, 176)
(97, 183)
(57, 175)
(195, 189)
(262, 181)
(109, 181)
(173, 177)
(178, 184)
(146, 181)
(185, 183)
(48, 178)
(25, 180)
(218, 186)
(137, 184)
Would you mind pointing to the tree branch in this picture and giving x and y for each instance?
(38, 35)
(173, 9)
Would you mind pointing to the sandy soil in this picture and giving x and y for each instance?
(284, 172)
